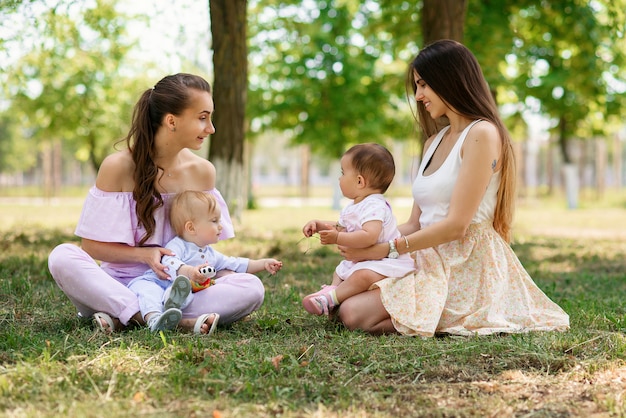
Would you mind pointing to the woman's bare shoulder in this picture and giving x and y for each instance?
(483, 141)
(116, 173)
(484, 130)
(201, 170)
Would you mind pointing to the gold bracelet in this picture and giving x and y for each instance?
(406, 241)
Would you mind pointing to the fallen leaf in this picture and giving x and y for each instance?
(276, 361)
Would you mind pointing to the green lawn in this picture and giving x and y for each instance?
(284, 362)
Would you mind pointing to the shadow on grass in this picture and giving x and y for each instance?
(282, 359)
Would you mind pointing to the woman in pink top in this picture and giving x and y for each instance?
(124, 223)
(467, 279)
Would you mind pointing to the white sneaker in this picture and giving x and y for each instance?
(176, 295)
(166, 320)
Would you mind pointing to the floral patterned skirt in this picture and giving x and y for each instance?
(474, 285)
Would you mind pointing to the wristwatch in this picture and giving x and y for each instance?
(393, 252)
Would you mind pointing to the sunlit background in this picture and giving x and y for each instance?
(322, 75)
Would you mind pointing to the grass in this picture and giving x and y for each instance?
(284, 362)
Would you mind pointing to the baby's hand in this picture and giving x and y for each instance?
(192, 273)
(273, 266)
(309, 229)
(329, 235)
(202, 277)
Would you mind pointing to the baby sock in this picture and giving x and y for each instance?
(333, 297)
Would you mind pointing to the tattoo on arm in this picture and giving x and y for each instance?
(493, 165)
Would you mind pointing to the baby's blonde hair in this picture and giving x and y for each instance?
(189, 206)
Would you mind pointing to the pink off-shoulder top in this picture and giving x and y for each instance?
(111, 217)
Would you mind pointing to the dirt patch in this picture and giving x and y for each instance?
(574, 394)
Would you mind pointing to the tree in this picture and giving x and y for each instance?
(443, 19)
(67, 86)
(332, 72)
(488, 35)
(321, 75)
(230, 61)
(569, 63)
(15, 155)
(568, 55)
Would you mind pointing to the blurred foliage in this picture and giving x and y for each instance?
(331, 73)
(568, 56)
(328, 73)
(67, 86)
(321, 71)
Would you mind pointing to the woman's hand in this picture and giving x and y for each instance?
(375, 252)
(114, 252)
(152, 258)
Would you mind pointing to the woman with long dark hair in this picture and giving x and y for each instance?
(467, 279)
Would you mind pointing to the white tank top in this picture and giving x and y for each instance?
(433, 193)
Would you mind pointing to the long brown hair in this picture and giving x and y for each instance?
(453, 73)
(169, 96)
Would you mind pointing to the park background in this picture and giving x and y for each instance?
(296, 83)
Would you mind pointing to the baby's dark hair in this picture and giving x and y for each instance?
(375, 163)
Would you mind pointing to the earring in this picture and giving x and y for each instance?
(173, 129)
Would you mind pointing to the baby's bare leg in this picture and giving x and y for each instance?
(358, 282)
(336, 280)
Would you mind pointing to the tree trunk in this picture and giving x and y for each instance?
(46, 169)
(600, 166)
(563, 140)
(550, 166)
(57, 166)
(443, 19)
(230, 64)
(617, 161)
(570, 169)
(305, 158)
